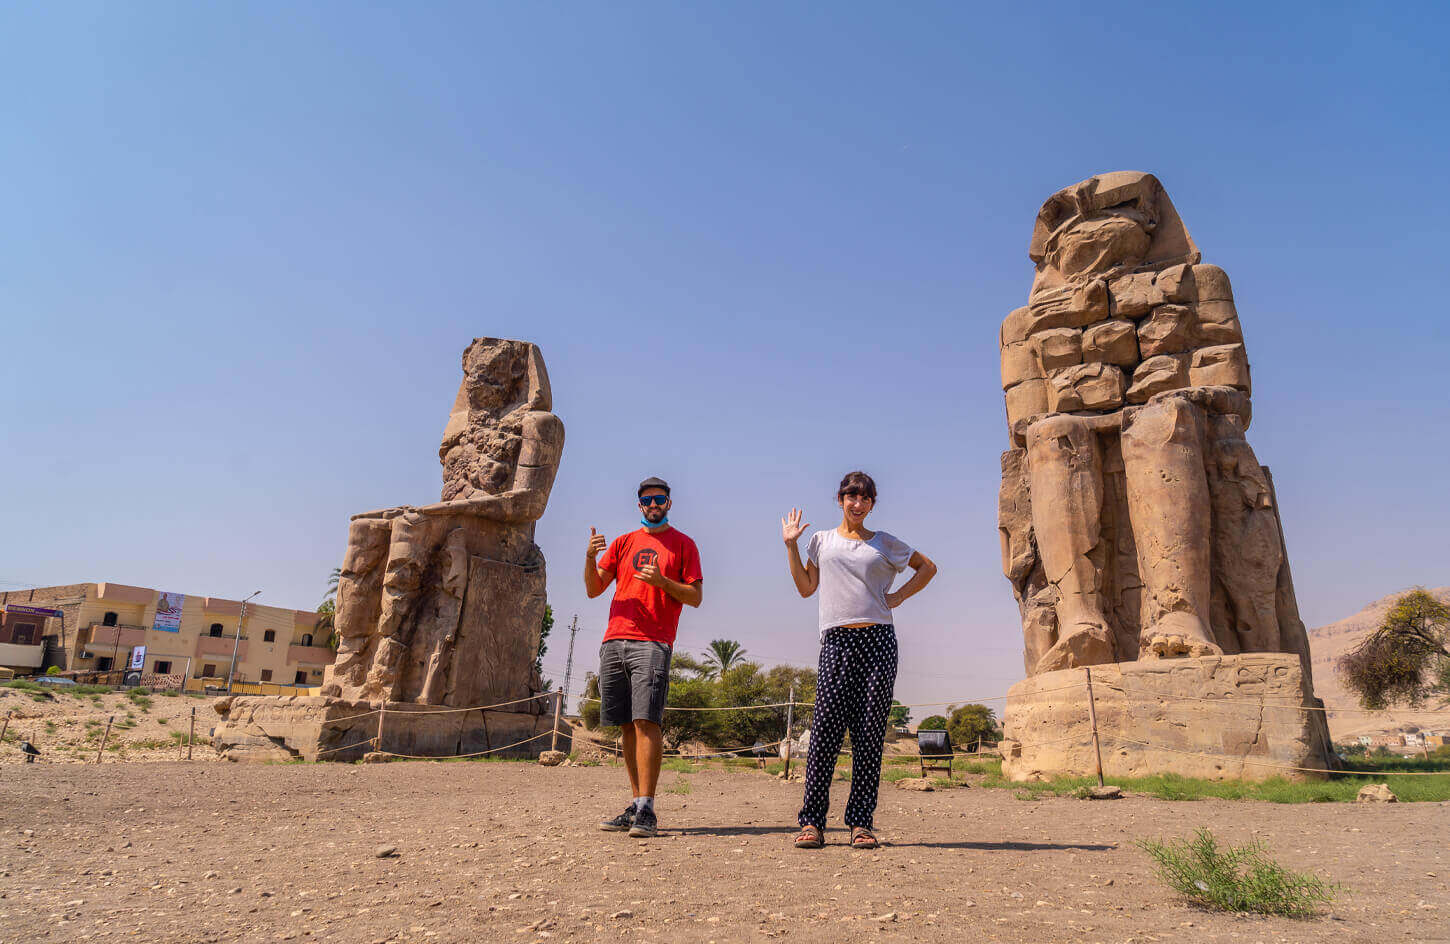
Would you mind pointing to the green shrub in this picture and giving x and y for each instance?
(25, 685)
(53, 670)
(139, 690)
(970, 723)
(1236, 878)
(933, 723)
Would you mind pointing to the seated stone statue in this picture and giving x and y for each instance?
(443, 603)
(1135, 520)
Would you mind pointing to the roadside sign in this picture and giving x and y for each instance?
(33, 610)
(138, 658)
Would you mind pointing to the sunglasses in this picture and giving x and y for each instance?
(648, 500)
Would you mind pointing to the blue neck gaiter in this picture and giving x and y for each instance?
(654, 524)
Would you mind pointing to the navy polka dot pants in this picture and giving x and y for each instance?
(855, 679)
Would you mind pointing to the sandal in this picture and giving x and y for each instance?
(862, 838)
(809, 838)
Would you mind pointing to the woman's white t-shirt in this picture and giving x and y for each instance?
(855, 576)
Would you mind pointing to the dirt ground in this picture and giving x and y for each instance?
(174, 852)
(68, 729)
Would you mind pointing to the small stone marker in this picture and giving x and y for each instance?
(1108, 792)
(915, 783)
(552, 758)
(1376, 793)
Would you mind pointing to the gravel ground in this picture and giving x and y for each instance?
(175, 852)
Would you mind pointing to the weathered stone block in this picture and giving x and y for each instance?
(1134, 295)
(1086, 387)
(280, 728)
(1242, 717)
(1222, 365)
(1157, 374)
(1028, 398)
(1019, 363)
(1212, 284)
(1167, 331)
(1057, 348)
(1112, 342)
(1177, 283)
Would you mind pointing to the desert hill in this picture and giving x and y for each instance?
(1329, 642)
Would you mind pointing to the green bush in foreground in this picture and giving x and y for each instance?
(1236, 878)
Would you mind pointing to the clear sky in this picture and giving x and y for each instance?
(760, 245)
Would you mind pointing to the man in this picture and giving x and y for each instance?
(657, 570)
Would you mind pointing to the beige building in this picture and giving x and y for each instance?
(103, 625)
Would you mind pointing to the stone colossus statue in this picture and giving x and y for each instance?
(1135, 521)
(442, 604)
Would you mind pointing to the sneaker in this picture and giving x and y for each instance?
(620, 823)
(645, 824)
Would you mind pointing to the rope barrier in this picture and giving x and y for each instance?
(491, 750)
(334, 750)
(1312, 770)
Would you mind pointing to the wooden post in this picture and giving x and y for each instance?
(191, 734)
(558, 710)
(378, 744)
(789, 720)
(5, 725)
(105, 737)
(1093, 717)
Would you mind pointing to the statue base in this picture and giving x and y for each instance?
(1238, 717)
(312, 728)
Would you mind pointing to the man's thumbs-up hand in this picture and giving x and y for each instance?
(597, 543)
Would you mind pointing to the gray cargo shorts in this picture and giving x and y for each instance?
(634, 680)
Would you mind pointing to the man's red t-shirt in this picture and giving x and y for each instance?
(640, 611)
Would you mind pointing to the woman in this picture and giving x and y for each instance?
(853, 568)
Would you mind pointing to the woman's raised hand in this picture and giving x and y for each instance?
(791, 526)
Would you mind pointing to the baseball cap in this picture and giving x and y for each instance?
(652, 482)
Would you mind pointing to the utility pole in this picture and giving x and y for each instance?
(568, 677)
(237, 641)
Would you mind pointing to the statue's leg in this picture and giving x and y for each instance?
(1247, 548)
(359, 600)
(1168, 504)
(443, 628)
(408, 553)
(1066, 470)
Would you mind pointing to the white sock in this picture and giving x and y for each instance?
(641, 803)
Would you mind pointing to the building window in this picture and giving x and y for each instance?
(24, 634)
(216, 629)
(109, 619)
(103, 664)
(266, 675)
(316, 671)
(306, 639)
(269, 636)
(208, 671)
(161, 668)
(301, 678)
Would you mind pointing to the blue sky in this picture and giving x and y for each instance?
(759, 244)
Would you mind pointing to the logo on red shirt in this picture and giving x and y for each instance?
(644, 556)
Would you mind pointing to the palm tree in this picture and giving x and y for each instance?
(332, 580)
(724, 653)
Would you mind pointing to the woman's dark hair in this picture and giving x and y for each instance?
(857, 483)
